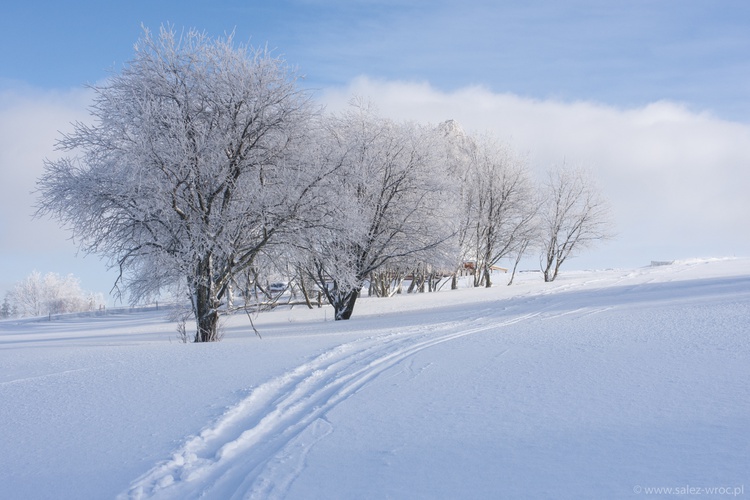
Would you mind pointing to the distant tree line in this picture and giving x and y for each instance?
(42, 295)
(209, 170)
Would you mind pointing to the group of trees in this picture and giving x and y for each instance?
(207, 168)
(42, 295)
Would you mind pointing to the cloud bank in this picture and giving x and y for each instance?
(678, 179)
(30, 124)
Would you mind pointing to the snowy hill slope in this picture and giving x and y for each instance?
(604, 384)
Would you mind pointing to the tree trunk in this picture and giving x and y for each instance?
(557, 269)
(550, 273)
(303, 288)
(373, 289)
(208, 324)
(477, 275)
(414, 282)
(549, 261)
(515, 266)
(343, 305)
(521, 251)
(205, 303)
(487, 276)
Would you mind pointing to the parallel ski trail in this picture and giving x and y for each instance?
(259, 438)
(257, 448)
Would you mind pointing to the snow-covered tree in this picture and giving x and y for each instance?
(28, 295)
(7, 310)
(40, 295)
(496, 207)
(458, 149)
(502, 205)
(384, 203)
(195, 162)
(574, 216)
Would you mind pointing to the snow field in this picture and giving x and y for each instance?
(591, 386)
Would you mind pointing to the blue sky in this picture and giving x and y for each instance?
(664, 85)
(618, 52)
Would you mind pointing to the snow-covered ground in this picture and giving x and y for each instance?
(604, 384)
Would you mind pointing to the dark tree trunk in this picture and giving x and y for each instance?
(550, 273)
(547, 269)
(205, 303)
(343, 304)
(208, 324)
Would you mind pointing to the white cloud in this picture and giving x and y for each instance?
(678, 179)
(30, 124)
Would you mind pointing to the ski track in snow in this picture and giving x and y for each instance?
(257, 448)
